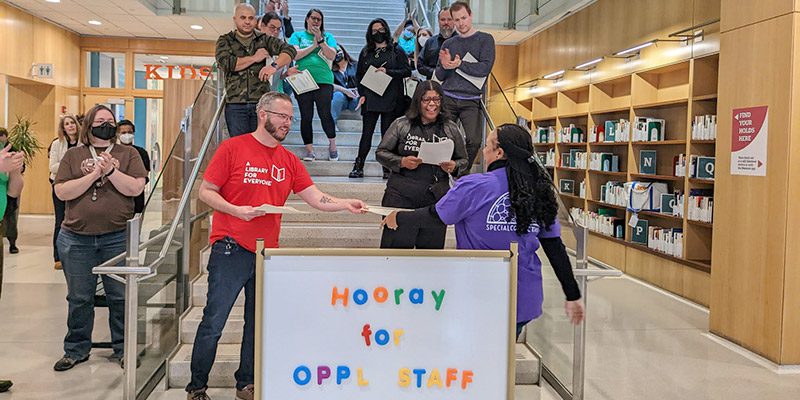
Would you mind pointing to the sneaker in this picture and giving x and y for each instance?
(5, 385)
(66, 363)
(333, 155)
(121, 361)
(58, 265)
(245, 394)
(13, 249)
(309, 156)
(199, 394)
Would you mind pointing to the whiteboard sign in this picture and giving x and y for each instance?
(369, 324)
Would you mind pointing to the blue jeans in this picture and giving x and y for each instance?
(79, 254)
(340, 103)
(230, 268)
(241, 118)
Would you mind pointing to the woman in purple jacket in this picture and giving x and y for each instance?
(513, 201)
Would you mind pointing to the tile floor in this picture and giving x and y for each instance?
(641, 344)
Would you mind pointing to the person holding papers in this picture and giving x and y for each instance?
(416, 182)
(316, 50)
(382, 65)
(465, 60)
(513, 202)
(345, 96)
(246, 173)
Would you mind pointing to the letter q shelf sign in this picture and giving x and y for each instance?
(338, 324)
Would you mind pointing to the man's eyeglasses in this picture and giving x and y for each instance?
(435, 100)
(285, 117)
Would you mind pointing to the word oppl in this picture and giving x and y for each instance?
(381, 295)
(302, 375)
(406, 377)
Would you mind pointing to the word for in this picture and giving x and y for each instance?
(435, 378)
(381, 295)
(302, 375)
(381, 336)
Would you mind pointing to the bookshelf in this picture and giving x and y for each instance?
(675, 93)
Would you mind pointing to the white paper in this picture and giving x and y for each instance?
(375, 80)
(270, 209)
(474, 80)
(469, 58)
(302, 82)
(384, 211)
(411, 86)
(327, 60)
(436, 153)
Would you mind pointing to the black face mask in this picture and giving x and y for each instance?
(380, 37)
(105, 131)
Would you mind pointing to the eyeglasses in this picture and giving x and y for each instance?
(315, 19)
(435, 100)
(285, 117)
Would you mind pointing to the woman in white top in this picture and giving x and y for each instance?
(67, 138)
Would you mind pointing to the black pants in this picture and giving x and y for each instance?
(471, 116)
(322, 97)
(369, 120)
(405, 237)
(60, 208)
(11, 218)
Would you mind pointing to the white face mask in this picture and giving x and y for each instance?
(422, 40)
(126, 138)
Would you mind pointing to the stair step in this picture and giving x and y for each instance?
(227, 363)
(342, 139)
(200, 291)
(315, 235)
(367, 189)
(346, 153)
(232, 333)
(342, 125)
(341, 168)
(341, 219)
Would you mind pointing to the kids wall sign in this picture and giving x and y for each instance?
(749, 141)
(339, 324)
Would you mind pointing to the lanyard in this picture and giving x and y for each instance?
(94, 152)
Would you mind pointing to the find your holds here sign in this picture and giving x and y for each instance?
(359, 325)
(749, 141)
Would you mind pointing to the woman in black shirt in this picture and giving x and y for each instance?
(381, 53)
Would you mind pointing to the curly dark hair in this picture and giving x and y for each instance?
(533, 199)
(414, 109)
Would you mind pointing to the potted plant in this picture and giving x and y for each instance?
(23, 138)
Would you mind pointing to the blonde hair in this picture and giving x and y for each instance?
(62, 132)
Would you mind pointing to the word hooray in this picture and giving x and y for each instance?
(381, 295)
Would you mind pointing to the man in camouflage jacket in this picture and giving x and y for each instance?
(245, 56)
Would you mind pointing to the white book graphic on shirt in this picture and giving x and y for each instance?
(476, 81)
(270, 209)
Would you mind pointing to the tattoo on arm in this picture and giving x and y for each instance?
(326, 200)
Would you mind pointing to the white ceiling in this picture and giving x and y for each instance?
(125, 18)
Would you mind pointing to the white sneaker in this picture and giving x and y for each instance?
(309, 156)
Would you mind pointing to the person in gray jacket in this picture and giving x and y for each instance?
(412, 183)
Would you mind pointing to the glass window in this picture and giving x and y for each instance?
(150, 70)
(105, 70)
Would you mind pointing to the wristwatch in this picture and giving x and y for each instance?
(274, 65)
(321, 41)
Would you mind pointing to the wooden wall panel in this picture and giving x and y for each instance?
(505, 66)
(738, 13)
(747, 281)
(790, 346)
(158, 46)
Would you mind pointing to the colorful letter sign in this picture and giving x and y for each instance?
(749, 141)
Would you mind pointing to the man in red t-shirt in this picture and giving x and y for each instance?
(246, 172)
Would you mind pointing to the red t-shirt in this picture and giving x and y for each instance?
(249, 173)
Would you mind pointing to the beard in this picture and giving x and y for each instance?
(274, 131)
(446, 33)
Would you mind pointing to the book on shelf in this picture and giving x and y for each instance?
(648, 129)
(545, 134)
(571, 134)
(611, 132)
(639, 231)
(665, 240)
(548, 157)
(566, 160)
(608, 225)
(672, 204)
(701, 205)
(701, 167)
(582, 189)
(647, 162)
(567, 186)
(704, 127)
(608, 162)
(613, 192)
(679, 165)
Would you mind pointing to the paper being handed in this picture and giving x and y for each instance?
(270, 209)
(436, 153)
(376, 81)
(384, 211)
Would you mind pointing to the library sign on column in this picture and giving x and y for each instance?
(749, 144)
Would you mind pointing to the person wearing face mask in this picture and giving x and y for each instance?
(413, 184)
(98, 182)
(271, 173)
(126, 132)
(429, 54)
(345, 85)
(514, 201)
(406, 37)
(386, 57)
(68, 128)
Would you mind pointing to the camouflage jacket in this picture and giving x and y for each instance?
(244, 86)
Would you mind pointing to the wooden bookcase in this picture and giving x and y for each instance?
(675, 93)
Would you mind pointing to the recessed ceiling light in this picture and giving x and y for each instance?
(94, 22)
(197, 27)
(164, 57)
(53, 1)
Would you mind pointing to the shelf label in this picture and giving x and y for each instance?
(749, 144)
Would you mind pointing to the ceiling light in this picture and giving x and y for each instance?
(634, 50)
(554, 75)
(53, 1)
(95, 22)
(589, 65)
(196, 27)
(164, 57)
